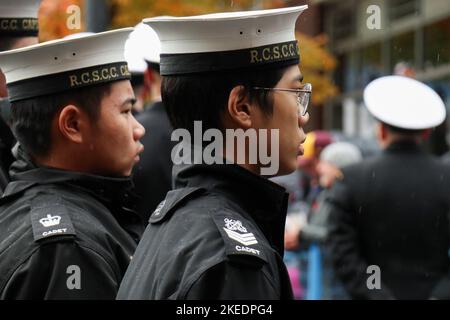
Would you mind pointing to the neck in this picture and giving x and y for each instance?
(155, 91)
(65, 158)
(234, 157)
(394, 138)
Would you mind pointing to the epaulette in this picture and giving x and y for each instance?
(50, 218)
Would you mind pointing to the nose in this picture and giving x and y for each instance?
(138, 130)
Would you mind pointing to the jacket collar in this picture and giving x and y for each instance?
(24, 174)
(265, 201)
(404, 146)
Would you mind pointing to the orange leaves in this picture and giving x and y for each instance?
(317, 64)
(129, 13)
(53, 19)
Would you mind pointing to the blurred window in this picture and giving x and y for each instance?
(402, 49)
(437, 43)
(400, 9)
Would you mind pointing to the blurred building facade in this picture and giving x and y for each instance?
(415, 32)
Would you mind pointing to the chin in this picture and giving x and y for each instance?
(287, 168)
(127, 173)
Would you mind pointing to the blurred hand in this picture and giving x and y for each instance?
(291, 239)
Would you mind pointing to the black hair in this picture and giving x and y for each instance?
(31, 119)
(204, 97)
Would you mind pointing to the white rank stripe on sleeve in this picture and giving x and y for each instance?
(246, 239)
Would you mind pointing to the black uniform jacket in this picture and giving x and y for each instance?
(392, 212)
(64, 235)
(6, 143)
(217, 235)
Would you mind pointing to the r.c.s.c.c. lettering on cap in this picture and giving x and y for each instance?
(19, 18)
(65, 64)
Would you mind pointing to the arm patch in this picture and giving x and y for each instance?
(50, 218)
(242, 241)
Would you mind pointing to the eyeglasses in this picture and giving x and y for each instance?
(303, 96)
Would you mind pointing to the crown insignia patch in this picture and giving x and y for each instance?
(231, 228)
(50, 221)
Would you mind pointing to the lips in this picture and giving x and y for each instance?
(141, 149)
(301, 150)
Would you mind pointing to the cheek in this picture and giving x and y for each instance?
(287, 113)
(114, 134)
(290, 131)
(123, 135)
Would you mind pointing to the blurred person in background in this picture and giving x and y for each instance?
(18, 29)
(138, 67)
(389, 234)
(332, 159)
(152, 176)
(303, 185)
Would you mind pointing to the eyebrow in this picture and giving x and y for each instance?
(132, 101)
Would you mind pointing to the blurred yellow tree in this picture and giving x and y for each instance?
(317, 66)
(131, 12)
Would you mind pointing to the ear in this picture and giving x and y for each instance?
(148, 78)
(381, 132)
(240, 111)
(71, 123)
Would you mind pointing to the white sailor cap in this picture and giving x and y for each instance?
(139, 46)
(404, 103)
(65, 64)
(227, 41)
(144, 41)
(19, 17)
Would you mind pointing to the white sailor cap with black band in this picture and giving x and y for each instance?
(19, 18)
(404, 103)
(65, 64)
(144, 43)
(227, 41)
(134, 51)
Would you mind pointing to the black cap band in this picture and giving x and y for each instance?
(19, 27)
(59, 82)
(188, 63)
